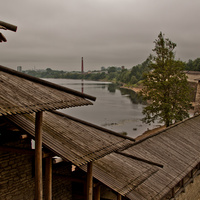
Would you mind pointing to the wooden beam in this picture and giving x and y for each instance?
(24, 136)
(48, 178)
(89, 181)
(57, 160)
(38, 156)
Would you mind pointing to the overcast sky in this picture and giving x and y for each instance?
(57, 33)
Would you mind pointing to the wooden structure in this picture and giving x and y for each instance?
(157, 167)
(71, 139)
(21, 93)
(6, 26)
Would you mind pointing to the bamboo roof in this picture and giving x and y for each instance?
(21, 93)
(72, 139)
(176, 148)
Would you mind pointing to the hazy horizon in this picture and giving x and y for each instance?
(56, 34)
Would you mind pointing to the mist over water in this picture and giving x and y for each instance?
(116, 109)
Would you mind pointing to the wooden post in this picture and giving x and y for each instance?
(89, 181)
(119, 196)
(38, 156)
(48, 178)
(97, 192)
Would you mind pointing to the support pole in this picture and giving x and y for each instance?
(89, 181)
(119, 196)
(48, 178)
(38, 156)
(97, 193)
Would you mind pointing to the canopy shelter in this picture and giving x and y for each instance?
(21, 93)
(72, 139)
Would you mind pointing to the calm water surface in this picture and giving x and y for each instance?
(117, 109)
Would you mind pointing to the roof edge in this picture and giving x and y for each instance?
(46, 83)
(93, 125)
(167, 128)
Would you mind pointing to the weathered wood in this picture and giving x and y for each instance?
(2, 38)
(48, 178)
(57, 160)
(24, 136)
(38, 156)
(8, 26)
(119, 196)
(71, 140)
(97, 192)
(89, 181)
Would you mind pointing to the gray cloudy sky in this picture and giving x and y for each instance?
(57, 33)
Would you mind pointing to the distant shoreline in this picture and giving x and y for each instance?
(135, 89)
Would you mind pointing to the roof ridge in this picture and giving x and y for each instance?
(167, 128)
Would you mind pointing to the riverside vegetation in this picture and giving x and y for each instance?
(164, 84)
(127, 77)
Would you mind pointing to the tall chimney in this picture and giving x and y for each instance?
(82, 65)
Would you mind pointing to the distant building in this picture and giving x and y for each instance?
(19, 68)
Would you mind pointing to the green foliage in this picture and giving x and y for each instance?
(193, 65)
(113, 74)
(165, 86)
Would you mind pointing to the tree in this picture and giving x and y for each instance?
(165, 85)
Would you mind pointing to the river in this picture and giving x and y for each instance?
(116, 109)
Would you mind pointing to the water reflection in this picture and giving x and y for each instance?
(112, 88)
(117, 109)
(134, 97)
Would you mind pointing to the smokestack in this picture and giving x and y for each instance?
(82, 65)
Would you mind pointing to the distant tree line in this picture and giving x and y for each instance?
(193, 65)
(114, 74)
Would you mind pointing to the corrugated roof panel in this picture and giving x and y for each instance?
(72, 140)
(20, 95)
(176, 148)
(121, 173)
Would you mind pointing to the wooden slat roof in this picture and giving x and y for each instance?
(71, 139)
(21, 93)
(121, 173)
(177, 148)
